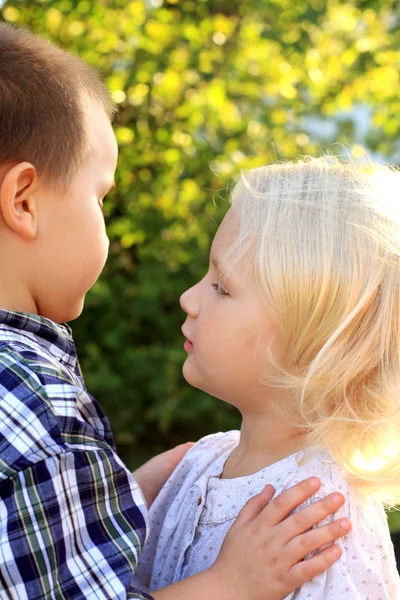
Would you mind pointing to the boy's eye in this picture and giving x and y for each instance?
(221, 291)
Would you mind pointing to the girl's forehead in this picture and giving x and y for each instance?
(227, 232)
(225, 255)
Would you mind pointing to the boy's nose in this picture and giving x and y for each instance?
(189, 302)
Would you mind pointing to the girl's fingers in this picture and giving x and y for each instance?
(302, 545)
(307, 569)
(281, 506)
(255, 506)
(306, 518)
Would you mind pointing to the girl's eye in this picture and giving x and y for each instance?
(220, 290)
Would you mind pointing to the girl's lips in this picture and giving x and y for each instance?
(188, 346)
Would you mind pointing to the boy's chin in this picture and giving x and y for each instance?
(64, 314)
(74, 312)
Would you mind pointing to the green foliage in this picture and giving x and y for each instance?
(205, 88)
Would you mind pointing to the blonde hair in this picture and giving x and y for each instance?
(323, 237)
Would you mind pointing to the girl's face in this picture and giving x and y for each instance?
(227, 328)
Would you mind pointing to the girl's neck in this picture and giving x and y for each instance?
(264, 439)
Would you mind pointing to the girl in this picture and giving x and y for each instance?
(297, 324)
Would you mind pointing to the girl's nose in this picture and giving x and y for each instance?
(189, 302)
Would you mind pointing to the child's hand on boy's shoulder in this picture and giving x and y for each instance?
(153, 474)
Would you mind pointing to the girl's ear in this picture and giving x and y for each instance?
(17, 204)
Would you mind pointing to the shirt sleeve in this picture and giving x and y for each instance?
(72, 526)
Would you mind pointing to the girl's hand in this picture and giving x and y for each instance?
(262, 555)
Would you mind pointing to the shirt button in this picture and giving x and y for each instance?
(199, 501)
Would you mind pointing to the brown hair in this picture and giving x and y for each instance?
(42, 92)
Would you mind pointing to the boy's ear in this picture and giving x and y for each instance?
(17, 204)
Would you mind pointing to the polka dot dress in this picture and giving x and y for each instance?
(195, 509)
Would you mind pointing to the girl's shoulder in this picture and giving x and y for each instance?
(367, 567)
(176, 508)
(205, 458)
(213, 446)
(201, 462)
(319, 463)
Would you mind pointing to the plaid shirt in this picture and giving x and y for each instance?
(72, 518)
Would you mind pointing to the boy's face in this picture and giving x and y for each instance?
(228, 326)
(72, 245)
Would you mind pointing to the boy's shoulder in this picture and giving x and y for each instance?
(39, 362)
(42, 409)
(29, 371)
(28, 427)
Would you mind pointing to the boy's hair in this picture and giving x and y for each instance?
(323, 236)
(42, 97)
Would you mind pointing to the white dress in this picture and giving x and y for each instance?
(195, 509)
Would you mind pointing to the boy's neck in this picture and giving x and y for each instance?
(264, 439)
(15, 297)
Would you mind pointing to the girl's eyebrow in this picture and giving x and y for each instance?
(214, 262)
(222, 271)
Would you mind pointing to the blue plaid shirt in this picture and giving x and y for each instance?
(72, 518)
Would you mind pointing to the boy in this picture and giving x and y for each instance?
(72, 518)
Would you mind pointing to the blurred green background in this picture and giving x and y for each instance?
(204, 88)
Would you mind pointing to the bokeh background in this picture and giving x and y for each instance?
(204, 89)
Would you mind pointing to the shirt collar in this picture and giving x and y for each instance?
(55, 337)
